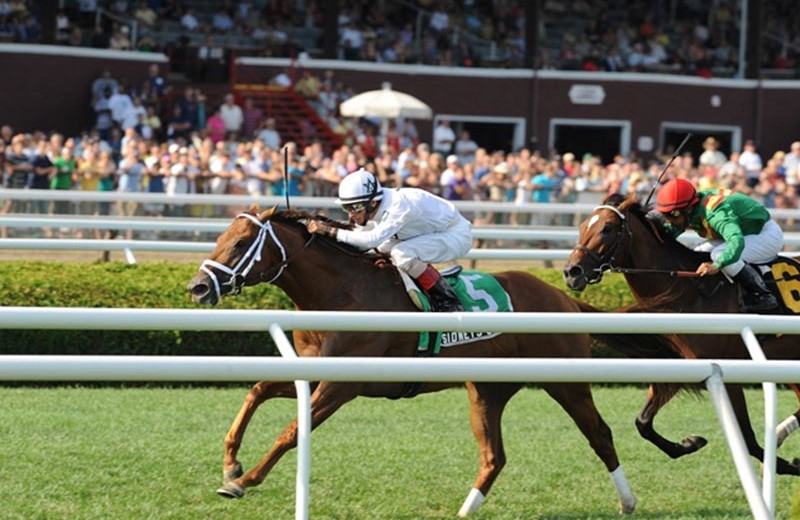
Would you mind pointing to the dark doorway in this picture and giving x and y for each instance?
(491, 136)
(673, 137)
(604, 141)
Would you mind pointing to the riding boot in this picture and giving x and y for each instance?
(442, 296)
(755, 295)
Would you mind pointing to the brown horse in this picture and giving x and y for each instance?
(619, 236)
(318, 273)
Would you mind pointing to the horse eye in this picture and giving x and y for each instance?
(239, 244)
(608, 228)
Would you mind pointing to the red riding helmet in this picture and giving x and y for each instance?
(676, 194)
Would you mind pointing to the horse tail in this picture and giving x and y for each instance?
(657, 346)
(648, 346)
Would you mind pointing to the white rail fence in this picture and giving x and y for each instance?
(156, 368)
(579, 208)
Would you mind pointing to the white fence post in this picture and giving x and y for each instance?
(770, 420)
(303, 479)
(741, 458)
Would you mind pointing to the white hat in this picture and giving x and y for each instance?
(452, 158)
(174, 147)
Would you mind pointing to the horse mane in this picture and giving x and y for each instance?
(295, 218)
(656, 228)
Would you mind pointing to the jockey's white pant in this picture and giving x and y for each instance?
(449, 245)
(758, 249)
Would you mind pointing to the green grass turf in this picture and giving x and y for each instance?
(155, 453)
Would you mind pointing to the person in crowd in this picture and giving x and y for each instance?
(251, 118)
(738, 229)
(443, 138)
(711, 155)
(269, 135)
(232, 115)
(750, 160)
(415, 227)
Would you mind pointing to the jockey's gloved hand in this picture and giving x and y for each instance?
(657, 217)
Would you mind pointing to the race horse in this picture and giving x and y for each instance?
(619, 236)
(319, 273)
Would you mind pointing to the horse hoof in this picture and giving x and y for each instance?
(693, 443)
(231, 490)
(232, 474)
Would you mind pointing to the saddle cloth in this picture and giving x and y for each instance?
(478, 292)
(782, 276)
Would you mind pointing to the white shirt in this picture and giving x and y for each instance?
(119, 103)
(232, 116)
(443, 138)
(403, 214)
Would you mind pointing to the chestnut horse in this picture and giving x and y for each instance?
(619, 236)
(318, 273)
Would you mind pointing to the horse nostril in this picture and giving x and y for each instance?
(199, 289)
(574, 271)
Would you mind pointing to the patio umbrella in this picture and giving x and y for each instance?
(386, 103)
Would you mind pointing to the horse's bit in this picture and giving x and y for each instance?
(606, 262)
(239, 272)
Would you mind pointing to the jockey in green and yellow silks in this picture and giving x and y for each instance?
(738, 231)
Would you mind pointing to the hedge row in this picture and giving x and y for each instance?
(160, 285)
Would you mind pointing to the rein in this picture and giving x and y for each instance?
(238, 274)
(606, 261)
(632, 270)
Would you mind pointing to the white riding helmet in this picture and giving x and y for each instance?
(359, 186)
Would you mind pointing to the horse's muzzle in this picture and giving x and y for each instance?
(575, 277)
(201, 290)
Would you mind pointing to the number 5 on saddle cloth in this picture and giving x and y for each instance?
(478, 292)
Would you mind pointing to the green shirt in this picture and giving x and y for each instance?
(63, 178)
(728, 216)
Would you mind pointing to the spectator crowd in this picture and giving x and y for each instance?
(236, 149)
(685, 36)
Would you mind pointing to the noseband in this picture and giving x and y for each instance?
(608, 259)
(238, 274)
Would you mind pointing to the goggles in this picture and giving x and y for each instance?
(354, 207)
(675, 213)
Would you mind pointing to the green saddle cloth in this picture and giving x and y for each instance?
(478, 292)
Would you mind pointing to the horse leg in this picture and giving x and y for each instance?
(791, 423)
(739, 404)
(657, 396)
(326, 399)
(260, 392)
(486, 404)
(576, 400)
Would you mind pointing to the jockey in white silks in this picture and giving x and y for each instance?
(413, 226)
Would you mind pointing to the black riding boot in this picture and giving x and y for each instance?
(443, 297)
(755, 295)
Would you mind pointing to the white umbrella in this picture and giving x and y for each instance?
(385, 103)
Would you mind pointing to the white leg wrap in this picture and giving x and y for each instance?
(627, 502)
(472, 503)
(783, 430)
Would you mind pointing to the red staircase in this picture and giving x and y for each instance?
(295, 119)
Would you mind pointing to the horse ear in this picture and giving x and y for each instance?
(268, 213)
(253, 209)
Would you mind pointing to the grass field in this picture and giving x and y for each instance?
(155, 453)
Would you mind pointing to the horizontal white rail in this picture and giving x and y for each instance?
(301, 202)
(68, 244)
(217, 368)
(258, 320)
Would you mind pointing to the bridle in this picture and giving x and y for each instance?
(238, 273)
(606, 261)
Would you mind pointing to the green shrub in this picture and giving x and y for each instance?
(162, 285)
